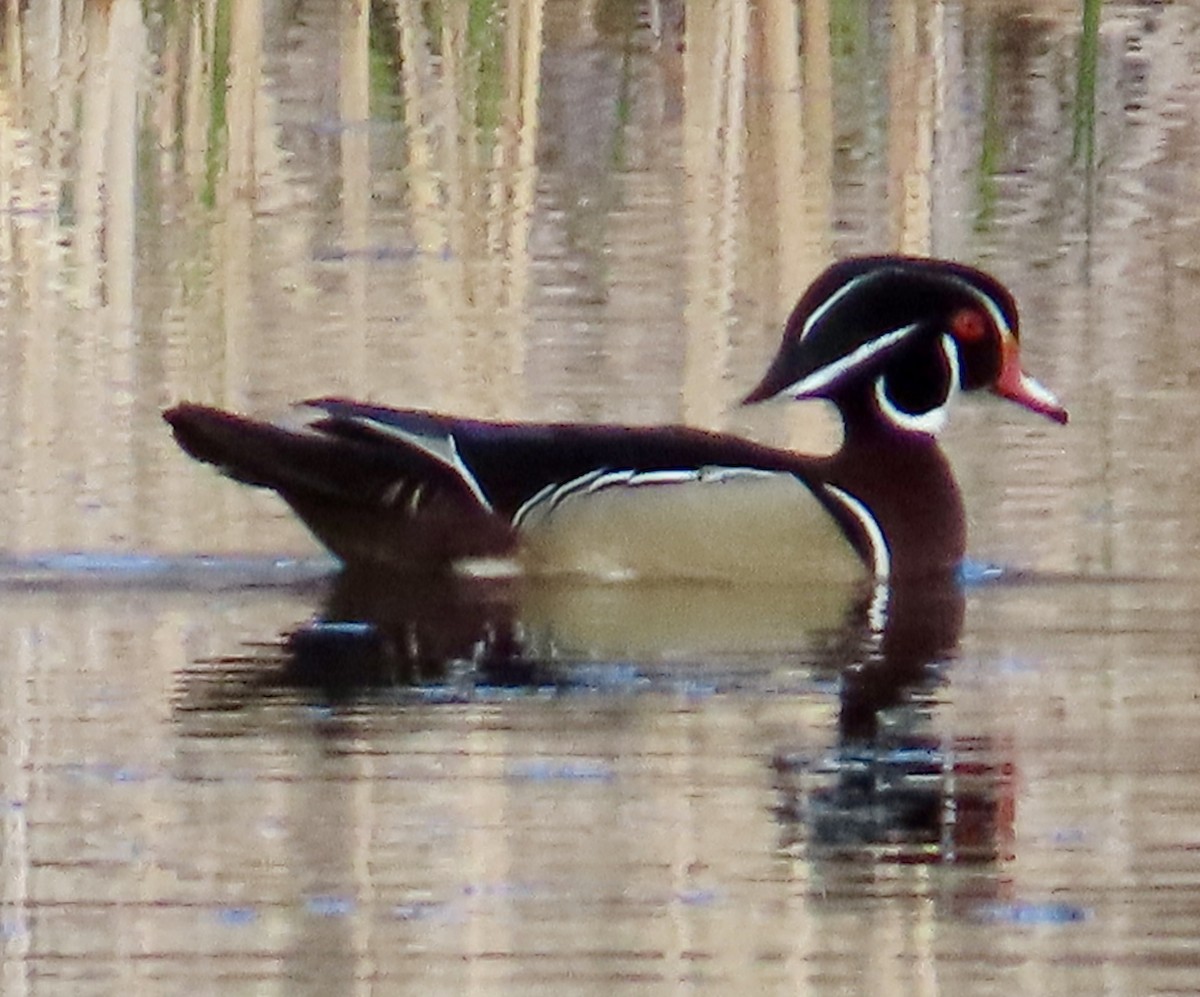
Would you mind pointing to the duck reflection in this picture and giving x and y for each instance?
(893, 788)
(889, 786)
(382, 631)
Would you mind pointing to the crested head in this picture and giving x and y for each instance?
(911, 331)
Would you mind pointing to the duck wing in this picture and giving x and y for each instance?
(512, 468)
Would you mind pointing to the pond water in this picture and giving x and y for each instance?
(221, 763)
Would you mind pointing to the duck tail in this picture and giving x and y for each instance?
(255, 452)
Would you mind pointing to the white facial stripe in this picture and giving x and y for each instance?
(990, 306)
(986, 300)
(443, 448)
(881, 557)
(934, 421)
(950, 352)
(826, 375)
(833, 299)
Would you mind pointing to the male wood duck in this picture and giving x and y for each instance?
(889, 340)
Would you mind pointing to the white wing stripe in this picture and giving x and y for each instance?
(443, 449)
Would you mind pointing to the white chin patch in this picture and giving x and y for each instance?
(930, 423)
(934, 421)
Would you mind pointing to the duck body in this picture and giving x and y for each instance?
(418, 491)
(888, 340)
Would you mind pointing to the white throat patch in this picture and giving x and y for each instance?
(934, 421)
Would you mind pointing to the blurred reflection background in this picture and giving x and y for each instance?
(597, 210)
(547, 209)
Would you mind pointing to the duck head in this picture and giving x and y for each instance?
(909, 331)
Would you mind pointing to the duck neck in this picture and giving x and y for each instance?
(903, 479)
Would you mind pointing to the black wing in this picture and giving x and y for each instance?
(506, 466)
(325, 457)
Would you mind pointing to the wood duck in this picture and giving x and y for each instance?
(889, 340)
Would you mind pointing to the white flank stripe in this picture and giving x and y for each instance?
(553, 494)
(602, 480)
(538, 497)
(584, 482)
(716, 474)
(663, 478)
(881, 557)
(550, 497)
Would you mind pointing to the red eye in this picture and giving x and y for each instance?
(969, 325)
